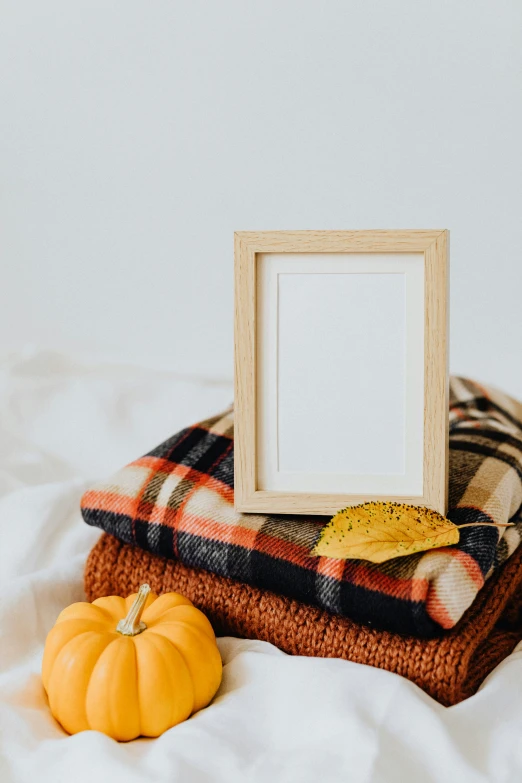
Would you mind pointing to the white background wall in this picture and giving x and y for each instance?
(137, 135)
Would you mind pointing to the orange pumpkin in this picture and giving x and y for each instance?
(130, 667)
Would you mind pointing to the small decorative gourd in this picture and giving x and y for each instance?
(130, 667)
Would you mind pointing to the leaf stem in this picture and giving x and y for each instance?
(487, 524)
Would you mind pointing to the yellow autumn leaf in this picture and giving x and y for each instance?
(379, 531)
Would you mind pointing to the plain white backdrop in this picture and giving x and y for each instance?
(137, 136)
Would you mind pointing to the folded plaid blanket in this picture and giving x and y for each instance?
(177, 501)
(449, 669)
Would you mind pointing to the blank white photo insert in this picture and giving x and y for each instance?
(341, 400)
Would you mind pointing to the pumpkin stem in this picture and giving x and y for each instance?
(132, 624)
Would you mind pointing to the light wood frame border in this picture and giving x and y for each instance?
(434, 245)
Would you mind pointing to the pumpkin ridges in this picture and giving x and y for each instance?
(69, 679)
(111, 700)
(185, 613)
(165, 686)
(164, 603)
(59, 636)
(114, 606)
(85, 611)
(199, 652)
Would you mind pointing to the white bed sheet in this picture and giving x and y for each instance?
(276, 718)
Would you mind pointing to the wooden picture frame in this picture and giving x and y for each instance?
(381, 340)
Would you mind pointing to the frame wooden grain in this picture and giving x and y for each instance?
(434, 244)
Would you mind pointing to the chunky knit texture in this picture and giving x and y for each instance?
(177, 501)
(450, 668)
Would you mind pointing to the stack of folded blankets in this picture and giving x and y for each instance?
(443, 618)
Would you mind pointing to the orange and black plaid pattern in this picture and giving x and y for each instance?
(178, 501)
